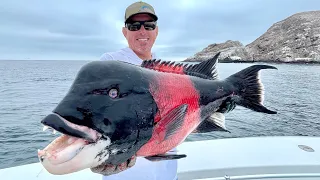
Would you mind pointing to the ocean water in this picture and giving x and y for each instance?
(29, 90)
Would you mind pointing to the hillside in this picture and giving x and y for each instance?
(294, 39)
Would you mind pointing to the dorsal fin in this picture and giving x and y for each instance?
(206, 69)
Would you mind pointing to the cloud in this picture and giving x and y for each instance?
(82, 29)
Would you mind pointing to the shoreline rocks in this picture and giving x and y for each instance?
(295, 39)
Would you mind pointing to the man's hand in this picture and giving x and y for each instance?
(107, 169)
(227, 106)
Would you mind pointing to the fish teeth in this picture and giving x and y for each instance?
(45, 128)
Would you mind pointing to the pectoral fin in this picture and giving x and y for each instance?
(171, 123)
(162, 157)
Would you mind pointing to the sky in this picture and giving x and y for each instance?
(85, 29)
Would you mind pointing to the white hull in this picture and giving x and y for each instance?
(237, 158)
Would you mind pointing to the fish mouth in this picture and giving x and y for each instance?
(73, 140)
(60, 124)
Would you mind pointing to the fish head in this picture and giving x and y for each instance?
(105, 117)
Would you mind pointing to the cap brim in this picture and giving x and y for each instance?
(150, 14)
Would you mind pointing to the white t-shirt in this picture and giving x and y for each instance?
(143, 169)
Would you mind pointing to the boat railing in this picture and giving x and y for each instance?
(268, 176)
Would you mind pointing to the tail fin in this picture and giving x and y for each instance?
(250, 89)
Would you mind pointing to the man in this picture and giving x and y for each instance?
(141, 31)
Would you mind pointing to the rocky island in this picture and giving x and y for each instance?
(295, 39)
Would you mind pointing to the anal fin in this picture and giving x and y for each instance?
(162, 157)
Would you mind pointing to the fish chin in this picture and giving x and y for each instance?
(79, 147)
(68, 154)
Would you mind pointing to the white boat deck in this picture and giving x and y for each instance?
(233, 159)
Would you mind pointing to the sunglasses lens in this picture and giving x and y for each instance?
(134, 26)
(149, 26)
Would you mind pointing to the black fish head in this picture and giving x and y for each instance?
(109, 108)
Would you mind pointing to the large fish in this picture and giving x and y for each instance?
(115, 111)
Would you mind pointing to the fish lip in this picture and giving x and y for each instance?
(60, 124)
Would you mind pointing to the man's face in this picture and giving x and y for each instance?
(142, 40)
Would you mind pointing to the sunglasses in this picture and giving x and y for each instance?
(136, 25)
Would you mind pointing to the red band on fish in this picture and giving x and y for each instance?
(169, 92)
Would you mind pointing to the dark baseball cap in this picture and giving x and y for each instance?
(140, 8)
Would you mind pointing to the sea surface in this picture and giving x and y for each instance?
(29, 90)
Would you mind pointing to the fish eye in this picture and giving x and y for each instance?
(113, 93)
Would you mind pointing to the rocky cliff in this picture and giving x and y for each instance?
(230, 50)
(294, 39)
